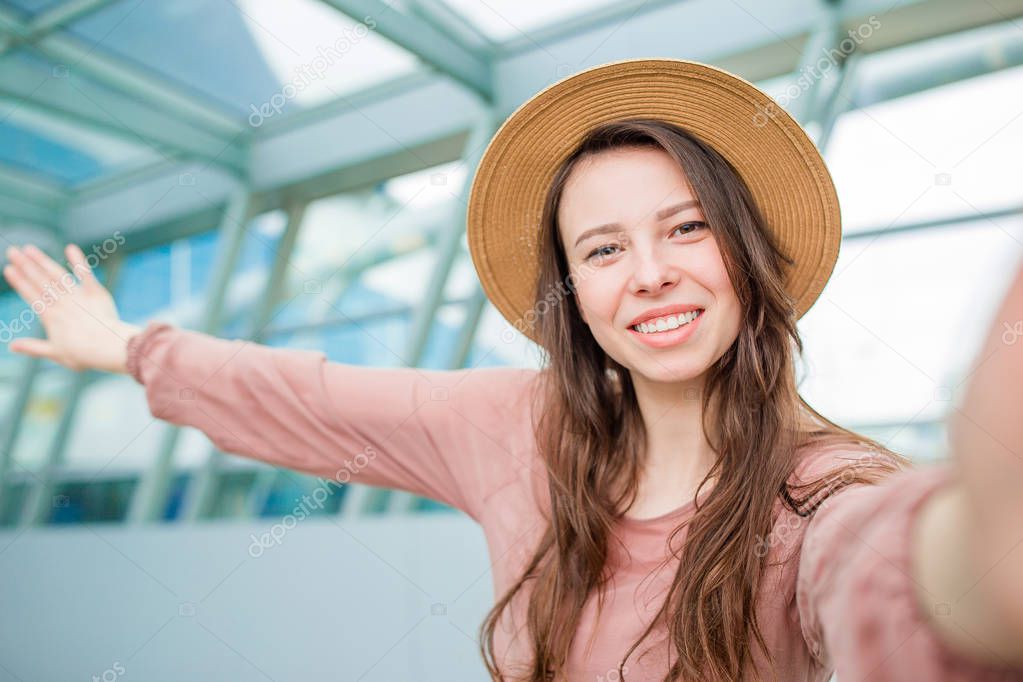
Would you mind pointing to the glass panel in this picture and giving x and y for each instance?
(922, 442)
(232, 491)
(32, 152)
(250, 56)
(176, 497)
(144, 286)
(505, 19)
(247, 286)
(113, 429)
(16, 319)
(499, 343)
(42, 415)
(286, 496)
(893, 165)
(377, 342)
(14, 500)
(92, 501)
(891, 337)
(55, 147)
(366, 252)
(33, 7)
(425, 504)
(444, 335)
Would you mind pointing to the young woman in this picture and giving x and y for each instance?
(659, 502)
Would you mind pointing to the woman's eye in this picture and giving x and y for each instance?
(698, 223)
(599, 251)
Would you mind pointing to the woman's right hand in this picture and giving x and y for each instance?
(83, 329)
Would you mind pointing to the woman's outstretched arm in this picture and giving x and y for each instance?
(453, 436)
(918, 577)
(968, 549)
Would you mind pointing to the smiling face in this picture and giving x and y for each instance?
(637, 243)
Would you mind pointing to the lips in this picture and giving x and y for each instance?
(671, 337)
(664, 311)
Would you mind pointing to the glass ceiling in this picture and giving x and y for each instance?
(33, 7)
(54, 146)
(241, 55)
(502, 20)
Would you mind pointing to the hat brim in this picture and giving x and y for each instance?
(771, 152)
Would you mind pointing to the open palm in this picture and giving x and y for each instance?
(83, 329)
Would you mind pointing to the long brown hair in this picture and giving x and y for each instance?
(592, 439)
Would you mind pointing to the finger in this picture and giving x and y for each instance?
(54, 272)
(36, 348)
(81, 266)
(16, 278)
(34, 275)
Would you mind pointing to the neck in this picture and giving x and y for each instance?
(678, 454)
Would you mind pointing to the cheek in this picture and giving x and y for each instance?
(595, 299)
(714, 274)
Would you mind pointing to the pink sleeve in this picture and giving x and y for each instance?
(858, 609)
(452, 436)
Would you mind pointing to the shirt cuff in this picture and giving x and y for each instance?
(136, 348)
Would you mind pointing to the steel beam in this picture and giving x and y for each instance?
(117, 116)
(474, 309)
(201, 492)
(145, 86)
(827, 36)
(15, 211)
(452, 24)
(449, 248)
(116, 73)
(14, 419)
(150, 497)
(52, 19)
(437, 49)
(38, 504)
(31, 188)
(354, 495)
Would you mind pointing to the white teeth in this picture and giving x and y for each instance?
(665, 323)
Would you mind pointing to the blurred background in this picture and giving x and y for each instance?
(295, 173)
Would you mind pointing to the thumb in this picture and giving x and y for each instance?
(37, 348)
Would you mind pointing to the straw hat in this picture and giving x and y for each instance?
(771, 152)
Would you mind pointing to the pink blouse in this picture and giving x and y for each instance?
(837, 597)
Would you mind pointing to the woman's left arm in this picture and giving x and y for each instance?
(919, 576)
(968, 540)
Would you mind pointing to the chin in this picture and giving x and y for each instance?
(666, 371)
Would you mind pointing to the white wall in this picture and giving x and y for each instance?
(375, 599)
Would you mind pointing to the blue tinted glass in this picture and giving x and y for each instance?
(34, 153)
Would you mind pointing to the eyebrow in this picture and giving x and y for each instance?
(614, 227)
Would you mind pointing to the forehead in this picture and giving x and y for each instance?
(620, 185)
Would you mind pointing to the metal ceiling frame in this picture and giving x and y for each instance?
(467, 74)
(442, 50)
(148, 87)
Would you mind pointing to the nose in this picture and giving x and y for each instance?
(653, 271)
